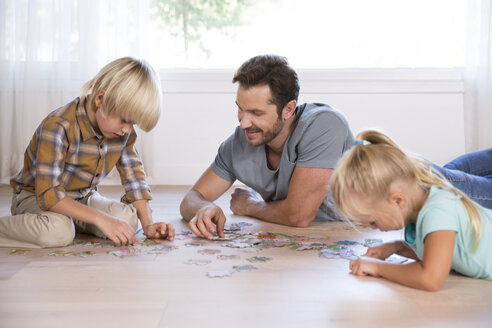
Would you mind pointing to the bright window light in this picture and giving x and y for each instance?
(311, 33)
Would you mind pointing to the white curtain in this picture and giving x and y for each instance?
(478, 76)
(48, 49)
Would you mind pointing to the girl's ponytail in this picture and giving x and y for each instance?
(371, 166)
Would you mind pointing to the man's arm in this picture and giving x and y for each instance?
(307, 189)
(199, 209)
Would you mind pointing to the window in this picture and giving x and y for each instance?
(224, 33)
(311, 33)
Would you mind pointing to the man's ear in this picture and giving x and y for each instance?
(289, 110)
(98, 99)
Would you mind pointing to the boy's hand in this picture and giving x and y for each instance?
(119, 231)
(159, 230)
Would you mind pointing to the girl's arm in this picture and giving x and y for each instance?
(406, 251)
(385, 250)
(430, 274)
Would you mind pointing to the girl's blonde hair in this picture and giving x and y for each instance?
(131, 89)
(370, 169)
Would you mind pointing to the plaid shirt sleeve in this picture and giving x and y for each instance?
(130, 168)
(51, 151)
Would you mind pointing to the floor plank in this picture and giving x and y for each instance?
(294, 289)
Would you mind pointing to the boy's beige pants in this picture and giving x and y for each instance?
(31, 227)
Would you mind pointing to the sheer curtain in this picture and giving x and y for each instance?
(48, 49)
(478, 76)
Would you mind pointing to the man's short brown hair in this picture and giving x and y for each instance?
(273, 71)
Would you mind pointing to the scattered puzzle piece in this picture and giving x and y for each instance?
(197, 262)
(193, 244)
(149, 242)
(228, 257)
(86, 254)
(237, 244)
(247, 267)
(162, 249)
(259, 259)
(347, 242)
(19, 251)
(209, 251)
(347, 254)
(304, 248)
(60, 253)
(219, 274)
(251, 250)
(372, 242)
(123, 252)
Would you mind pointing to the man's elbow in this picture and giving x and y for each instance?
(184, 208)
(300, 221)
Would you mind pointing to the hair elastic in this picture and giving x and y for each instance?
(359, 142)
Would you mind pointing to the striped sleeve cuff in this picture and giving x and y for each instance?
(50, 197)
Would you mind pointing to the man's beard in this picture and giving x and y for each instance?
(267, 135)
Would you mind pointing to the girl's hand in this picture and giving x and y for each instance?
(383, 251)
(159, 230)
(365, 266)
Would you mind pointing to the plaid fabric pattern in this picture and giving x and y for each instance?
(68, 158)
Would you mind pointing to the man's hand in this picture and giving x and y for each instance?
(207, 220)
(243, 199)
(159, 230)
(119, 231)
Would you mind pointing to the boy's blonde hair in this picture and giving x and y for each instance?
(131, 89)
(370, 169)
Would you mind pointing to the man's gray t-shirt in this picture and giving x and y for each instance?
(318, 139)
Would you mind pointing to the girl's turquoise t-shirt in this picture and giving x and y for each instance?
(443, 210)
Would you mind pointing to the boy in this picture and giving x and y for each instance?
(73, 149)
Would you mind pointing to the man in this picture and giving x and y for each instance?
(284, 152)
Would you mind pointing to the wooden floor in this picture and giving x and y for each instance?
(293, 289)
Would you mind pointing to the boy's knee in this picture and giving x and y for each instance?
(60, 232)
(125, 212)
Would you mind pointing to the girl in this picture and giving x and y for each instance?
(377, 184)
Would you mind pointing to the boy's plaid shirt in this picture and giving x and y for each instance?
(68, 158)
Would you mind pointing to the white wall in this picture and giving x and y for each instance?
(421, 109)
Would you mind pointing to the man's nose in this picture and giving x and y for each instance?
(244, 121)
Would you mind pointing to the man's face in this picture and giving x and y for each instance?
(257, 115)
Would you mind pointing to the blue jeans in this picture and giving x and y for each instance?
(472, 174)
